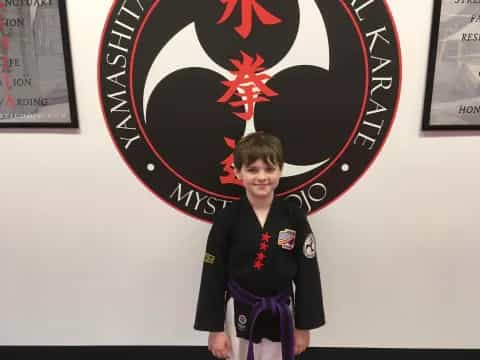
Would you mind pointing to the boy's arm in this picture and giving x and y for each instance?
(309, 311)
(210, 315)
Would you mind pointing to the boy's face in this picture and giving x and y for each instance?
(260, 179)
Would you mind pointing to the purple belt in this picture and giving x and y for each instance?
(276, 304)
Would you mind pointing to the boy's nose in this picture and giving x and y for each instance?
(262, 175)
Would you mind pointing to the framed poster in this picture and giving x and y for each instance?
(452, 98)
(36, 82)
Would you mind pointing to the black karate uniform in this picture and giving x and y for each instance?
(239, 248)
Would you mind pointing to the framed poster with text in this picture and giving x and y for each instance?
(36, 82)
(452, 98)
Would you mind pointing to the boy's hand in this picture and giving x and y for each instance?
(219, 344)
(301, 340)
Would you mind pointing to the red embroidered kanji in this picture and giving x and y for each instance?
(248, 85)
(263, 246)
(228, 166)
(247, 8)
(266, 237)
(257, 264)
(261, 256)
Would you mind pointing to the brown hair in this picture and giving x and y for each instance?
(258, 145)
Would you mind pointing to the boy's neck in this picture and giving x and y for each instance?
(260, 203)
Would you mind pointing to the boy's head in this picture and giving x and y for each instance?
(258, 145)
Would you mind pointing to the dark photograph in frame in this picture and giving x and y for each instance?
(36, 81)
(452, 97)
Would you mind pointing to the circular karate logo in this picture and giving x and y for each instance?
(181, 81)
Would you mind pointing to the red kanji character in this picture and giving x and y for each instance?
(248, 7)
(257, 264)
(4, 41)
(6, 80)
(261, 256)
(11, 102)
(263, 246)
(5, 63)
(230, 178)
(248, 85)
(2, 6)
(266, 237)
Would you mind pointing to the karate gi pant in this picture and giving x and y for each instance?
(264, 350)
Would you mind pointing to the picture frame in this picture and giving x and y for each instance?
(36, 75)
(452, 96)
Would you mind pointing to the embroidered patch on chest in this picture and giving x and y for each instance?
(286, 239)
(209, 258)
(309, 246)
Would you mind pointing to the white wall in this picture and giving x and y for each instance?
(88, 255)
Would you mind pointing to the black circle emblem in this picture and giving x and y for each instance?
(181, 81)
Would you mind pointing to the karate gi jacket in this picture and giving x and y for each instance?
(264, 261)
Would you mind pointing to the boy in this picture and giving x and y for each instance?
(256, 248)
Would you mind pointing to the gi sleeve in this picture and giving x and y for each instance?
(309, 310)
(210, 314)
